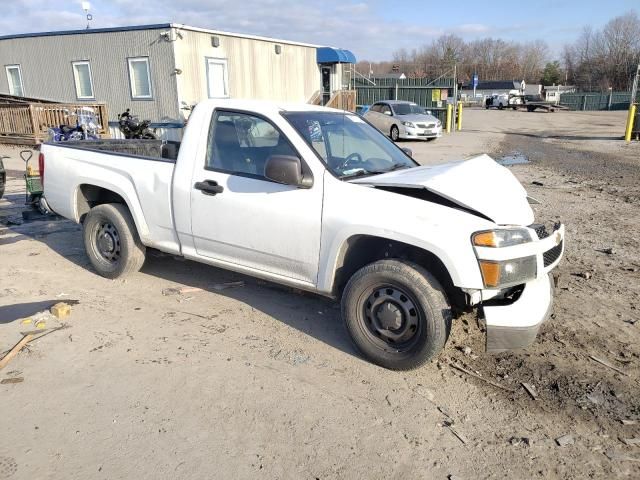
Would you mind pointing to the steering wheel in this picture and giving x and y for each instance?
(349, 159)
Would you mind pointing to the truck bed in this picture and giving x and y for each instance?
(149, 149)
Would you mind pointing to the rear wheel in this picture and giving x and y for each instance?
(111, 241)
(396, 314)
(395, 133)
(500, 106)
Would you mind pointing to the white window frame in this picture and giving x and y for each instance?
(75, 78)
(131, 82)
(225, 64)
(7, 68)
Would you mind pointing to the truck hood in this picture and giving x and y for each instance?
(478, 184)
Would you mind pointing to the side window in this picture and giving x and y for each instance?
(140, 78)
(14, 77)
(376, 108)
(83, 80)
(385, 108)
(241, 143)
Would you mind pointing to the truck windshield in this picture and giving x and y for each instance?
(348, 145)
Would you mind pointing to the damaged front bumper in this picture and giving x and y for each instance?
(516, 325)
(513, 316)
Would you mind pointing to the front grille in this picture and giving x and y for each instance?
(426, 125)
(540, 229)
(552, 254)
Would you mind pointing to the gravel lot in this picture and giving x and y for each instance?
(261, 381)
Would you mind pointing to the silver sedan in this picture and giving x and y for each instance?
(404, 120)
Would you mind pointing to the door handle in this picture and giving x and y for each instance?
(209, 187)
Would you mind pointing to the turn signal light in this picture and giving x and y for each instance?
(485, 239)
(490, 273)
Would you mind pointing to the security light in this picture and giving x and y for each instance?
(215, 42)
(278, 49)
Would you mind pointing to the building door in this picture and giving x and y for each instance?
(326, 84)
(217, 78)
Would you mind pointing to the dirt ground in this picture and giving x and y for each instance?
(261, 381)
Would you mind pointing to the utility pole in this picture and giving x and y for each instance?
(455, 94)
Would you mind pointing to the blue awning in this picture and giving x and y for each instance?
(334, 55)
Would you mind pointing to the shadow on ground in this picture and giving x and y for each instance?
(311, 314)
(17, 311)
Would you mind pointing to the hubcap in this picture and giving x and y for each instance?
(390, 315)
(108, 242)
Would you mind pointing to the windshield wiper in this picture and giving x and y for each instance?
(358, 173)
(395, 166)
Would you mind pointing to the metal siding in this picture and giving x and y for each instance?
(47, 72)
(596, 101)
(255, 71)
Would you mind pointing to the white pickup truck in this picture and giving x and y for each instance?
(320, 200)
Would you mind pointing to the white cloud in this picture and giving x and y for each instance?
(354, 25)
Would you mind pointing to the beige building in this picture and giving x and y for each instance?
(158, 70)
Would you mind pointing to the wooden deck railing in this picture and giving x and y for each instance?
(344, 100)
(28, 123)
(316, 98)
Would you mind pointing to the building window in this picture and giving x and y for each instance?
(84, 82)
(217, 78)
(140, 78)
(14, 77)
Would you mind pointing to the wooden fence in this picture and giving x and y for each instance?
(27, 123)
(343, 100)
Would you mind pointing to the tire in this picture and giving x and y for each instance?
(411, 298)
(395, 133)
(500, 106)
(112, 242)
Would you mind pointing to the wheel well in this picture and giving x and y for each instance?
(362, 250)
(91, 195)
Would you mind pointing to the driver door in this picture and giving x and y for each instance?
(240, 217)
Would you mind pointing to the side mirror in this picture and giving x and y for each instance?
(428, 112)
(407, 151)
(387, 112)
(285, 169)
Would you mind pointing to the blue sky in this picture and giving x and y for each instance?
(372, 30)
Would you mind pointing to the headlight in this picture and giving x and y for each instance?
(408, 124)
(504, 237)
(508, 272)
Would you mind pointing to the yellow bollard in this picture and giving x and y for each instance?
(459, 116)
(630, 119)
(449, 113)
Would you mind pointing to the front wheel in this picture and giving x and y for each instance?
(395, 133)
(111, 241)
(396, 313)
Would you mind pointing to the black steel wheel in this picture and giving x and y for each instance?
(107, 242)
(390, 317)
(111, 241)
(396, 313)
(395, 133)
